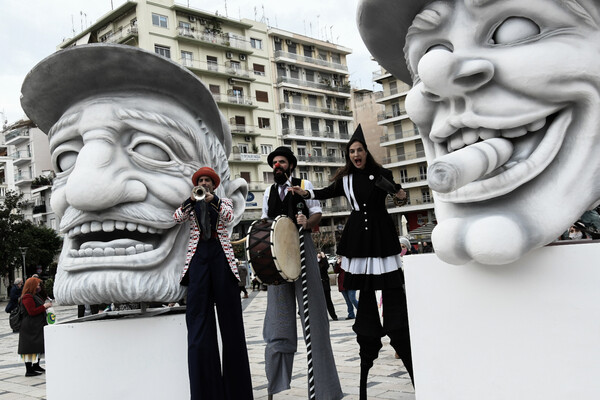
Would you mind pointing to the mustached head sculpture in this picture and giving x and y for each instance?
(506, 96)
(127, 130)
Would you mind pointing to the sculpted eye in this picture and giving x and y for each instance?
(66, 160)
(439, 47)
(152, 151)
(514, 29)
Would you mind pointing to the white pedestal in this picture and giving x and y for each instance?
(130, 358)
(529, 330)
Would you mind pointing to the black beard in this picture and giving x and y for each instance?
(280, 178)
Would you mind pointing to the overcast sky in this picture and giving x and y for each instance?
(30, 30)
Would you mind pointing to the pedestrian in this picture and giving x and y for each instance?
(324, 270)
(279, 330)
(370, 253)
(243, 271)
(31, 334)
(14, 294)
(349, 295)
(211, 276)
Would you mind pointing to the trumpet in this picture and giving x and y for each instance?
(199, 192)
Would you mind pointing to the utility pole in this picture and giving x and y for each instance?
(23, 252)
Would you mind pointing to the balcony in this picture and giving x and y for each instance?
(321, 159)
(413, 133)
(21, 157)
(40, 209)
(228, 40)
(234, 99)
(23, 178)
(17, 136)
(388, 115)
(315, 109)
(243, 129)
(227, 69)
(343, 137)
(323, 86)
(404, 157)
(380, 74)
(122, 35)
(315, 61)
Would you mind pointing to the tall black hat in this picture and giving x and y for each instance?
(358, 136)
(285, 152)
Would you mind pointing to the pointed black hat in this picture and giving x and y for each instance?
(358, 136)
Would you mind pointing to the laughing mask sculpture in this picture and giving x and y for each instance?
(506, 98)
(127, 129)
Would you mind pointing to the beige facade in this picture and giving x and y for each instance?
(405, 156)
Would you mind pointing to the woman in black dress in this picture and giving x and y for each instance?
(370, 252)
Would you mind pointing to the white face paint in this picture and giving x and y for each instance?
(124, 165)
(506, 97)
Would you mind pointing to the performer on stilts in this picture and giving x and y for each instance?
(370, 252)
(212, 278)
(279, 331)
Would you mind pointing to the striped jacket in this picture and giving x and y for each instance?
(224, 208)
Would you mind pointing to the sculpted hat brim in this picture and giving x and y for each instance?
(77, 73)
(383, 25)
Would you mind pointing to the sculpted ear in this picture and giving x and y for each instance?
(237, 191)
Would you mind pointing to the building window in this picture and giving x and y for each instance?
(268, 177)
(211, 62)
(301, 151)
(393, 87)
(308, 51)
(291, 47)
(262, 96)
(425, 195)
(258, 69)
(335, 58)
(245, 175)
(162, 51)
(214, 89)
(266, 149)
(186, 58)
(310, 75)
(235, 65)
(278, 46)
(303, 174)
(256, 43)
(160, 20)
(343, 126)
(185, 29)
(423, 172)
(403, 175)
(264, 123)
(314, 125)
(395, 110)
(299, 123)
(243, 148)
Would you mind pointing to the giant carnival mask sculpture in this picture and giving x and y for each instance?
(127, 129)
(506, 98)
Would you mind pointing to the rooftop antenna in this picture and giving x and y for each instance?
(72, 24)
(318, 26)
(226, 9)
(331, 32)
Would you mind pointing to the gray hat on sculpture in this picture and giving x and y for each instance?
(99, 68)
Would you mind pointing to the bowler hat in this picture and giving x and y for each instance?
(383, 25)
(285, 152)
(69, 76)
(206, 171)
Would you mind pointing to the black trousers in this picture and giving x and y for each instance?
(211, 283)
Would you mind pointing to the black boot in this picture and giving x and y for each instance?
(36, 367)
(369, 351)
(30, 371)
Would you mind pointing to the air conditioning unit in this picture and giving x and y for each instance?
(292, 68)
(230, 81)
(276, 39)
(247, 138)
(228, 54)
(281, 65)
(242, 57)
(192, 18)
(202, 21)
(288, 42)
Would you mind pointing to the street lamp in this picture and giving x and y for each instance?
(23, 252)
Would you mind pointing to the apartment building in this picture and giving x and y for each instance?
(25, 167)
(273, 86)
(405, 156)
(313, 106)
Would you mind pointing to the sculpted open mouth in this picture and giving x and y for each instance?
(116, 244)
(483, 159)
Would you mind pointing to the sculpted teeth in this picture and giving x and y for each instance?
(110, 226)
(111, 251)
(467, 136)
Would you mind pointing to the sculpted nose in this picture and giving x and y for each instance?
(102, 178)
(446, 75)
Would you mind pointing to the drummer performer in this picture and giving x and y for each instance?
(211, 275)
(279, 330)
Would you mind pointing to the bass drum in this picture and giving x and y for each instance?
(273, 249)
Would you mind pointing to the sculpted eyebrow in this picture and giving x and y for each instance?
(66, 125)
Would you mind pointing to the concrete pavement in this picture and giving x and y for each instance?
(387, 380)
